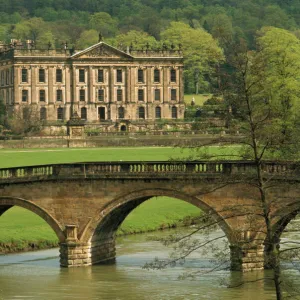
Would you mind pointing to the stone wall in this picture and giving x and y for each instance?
(115, 141)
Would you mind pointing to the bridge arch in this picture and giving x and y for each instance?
(101, 232)
(282, 217)
(8, 202)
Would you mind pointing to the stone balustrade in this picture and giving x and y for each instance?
(289, 170)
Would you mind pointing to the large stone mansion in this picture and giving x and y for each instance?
(101, 83)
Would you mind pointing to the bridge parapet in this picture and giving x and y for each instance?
(148, 169)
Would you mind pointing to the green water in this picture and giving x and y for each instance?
(37, 275)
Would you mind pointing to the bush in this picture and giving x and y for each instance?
(213, 101)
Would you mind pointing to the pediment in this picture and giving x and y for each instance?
(101, 51)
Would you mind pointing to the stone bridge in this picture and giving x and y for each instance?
(85, 203)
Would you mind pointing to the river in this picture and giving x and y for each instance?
(37, 275)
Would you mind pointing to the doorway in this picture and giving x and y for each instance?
(101, 113)
(123, 128)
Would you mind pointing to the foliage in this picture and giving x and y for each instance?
(25, 120)
(87, 38)
(136, 39)
(2, 111)
(104, 23)
(200, 50)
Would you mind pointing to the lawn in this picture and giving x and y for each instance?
(29, 157)
(199, 99)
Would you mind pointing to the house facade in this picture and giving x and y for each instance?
(100, 83)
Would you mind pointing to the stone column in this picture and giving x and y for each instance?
(246, 257)
(17, 79)
(149, 90)
(67, 82)
(181, 85)
(34, 96)
(111, 85)
(128, 84)
(165, 85)
(91, 86)
(133, 85)
(74, 94)
(50, 85)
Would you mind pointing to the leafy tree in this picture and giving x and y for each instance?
(138, 39)
(87, 38)
(34, 29)
(2, 111)
(25, 120)
(264, 92)
(200, 50)
(104, 23)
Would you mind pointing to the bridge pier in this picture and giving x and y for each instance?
(76, 254)
(247, 257)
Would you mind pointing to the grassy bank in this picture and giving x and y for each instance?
(16, 158)
(21, 230)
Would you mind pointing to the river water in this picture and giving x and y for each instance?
(37, 275)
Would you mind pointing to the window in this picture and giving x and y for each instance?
(140, 75)
(7, 96)
(24, 77)
(100, 95)
(173, 94)
(157, 112)
(60, 113)
(7, 77)
(119, 76)
(119, 95)
(174, 112)
(12, 76)
(59, 75)
(141, 95)
(81, 75)
(59, 95)
(141, 112)
(100, 76)
(41, 75)
(156, 75)
(42, 95)
(2, 77)
(83, 112)
(173, 75)
(157, 94)
(82, 95)
(121, 112)
(24, 95)
(43, 113)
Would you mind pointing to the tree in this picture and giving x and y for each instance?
(104, 23)
(262, 88)
(25, 120)
(138, 39)
(34, 29)
(200, 50)
(2, 111)
(87, 38)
